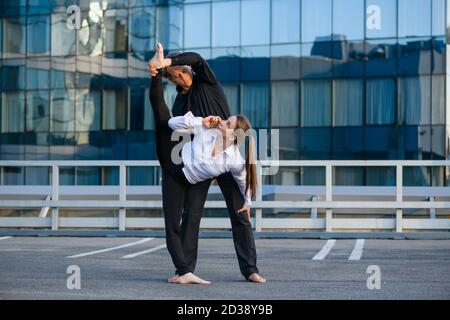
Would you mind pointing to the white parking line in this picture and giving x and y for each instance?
(357, 250)
(111, 249)
(3, 238)
(325, 250)
(132, 255)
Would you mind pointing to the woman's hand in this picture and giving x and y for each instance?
(211, 121)
(158, 61)
(246, 209)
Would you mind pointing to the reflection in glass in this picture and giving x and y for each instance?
(316, 103)
(382, 142)
(37, 111)
(62, 73)
(232, 94)
(381, 100)
(255, 63)
(415, 56)
(438, 20)
(114, 109)
(255, 103)
(438, 56)
(414, 100)
(38, 35)
(285, 103)
(381, 57)
(254, 27)
(414, 18)
(87, 112)
(381, 19)
(316, 60)
(37, 78)
(348, 143)
(225, 23)
(169, 25)
(63, 39)
(315, 143)
(438, 142)
(63, 110)
(348, 19)
(36, 146)
(142, 29)
(438, 99)
(13, 37)
(197, 31)
(316, 20)
(348, 176)
(348, 102)
(348, 58)
(285, 21)
(37, 176)
(226, 64)
(285, 62)
(13, 112)
(115, 31)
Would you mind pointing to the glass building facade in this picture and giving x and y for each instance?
(340, 79)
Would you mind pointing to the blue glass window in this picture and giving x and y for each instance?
(37, 114)
(142, 29)
(114, 109)
(197, 31)
(414, 18)
(226, 64)
(316, 20)
(225, 23)
(63, 38)
(349, 58)
(415, 100)
(38, 35)
(88, 107)
(381, 57)
(381, 100)
(13, 112)
(38, 78)
(255, 29)
(438, 99)
(415, 56)
(14, 36)
(63, 110)
(255, 63)
(438, 19)
(382, 142)
(285, 104)
(348, 143)
(316, 60)
(348, 104)
(316, 103)
(348, 20)
(232, 94)
(169, 25)
(115, 39)
(315, 143)
(255, 103)
(13, 77)
(285, 62)
(285, 21)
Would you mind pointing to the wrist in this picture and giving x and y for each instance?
(167, 62)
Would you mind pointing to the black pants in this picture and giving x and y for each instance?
(178, 193)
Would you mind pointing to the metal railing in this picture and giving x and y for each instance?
(50, 199)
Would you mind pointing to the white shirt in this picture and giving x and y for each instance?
(199, 164)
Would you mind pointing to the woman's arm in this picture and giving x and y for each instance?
(188, 123)
(239, 174)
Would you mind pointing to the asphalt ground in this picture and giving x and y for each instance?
(138, 268)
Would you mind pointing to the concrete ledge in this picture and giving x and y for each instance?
(227, 234)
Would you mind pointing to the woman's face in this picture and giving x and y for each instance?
(228, 126)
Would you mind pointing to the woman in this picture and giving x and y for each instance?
(213, 151)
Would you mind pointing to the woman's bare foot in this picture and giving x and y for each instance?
(173, 279)
(254, 277)
(190, 278)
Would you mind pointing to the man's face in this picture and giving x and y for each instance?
(180, 75)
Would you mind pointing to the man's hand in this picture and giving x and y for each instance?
(211, 121)
(245, 209)
(158, 61)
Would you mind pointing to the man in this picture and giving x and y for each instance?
(201, 93)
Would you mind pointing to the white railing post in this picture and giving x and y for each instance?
(399, 198)
(122, 196)
(258, 212)
(328, 197)
(55, 196)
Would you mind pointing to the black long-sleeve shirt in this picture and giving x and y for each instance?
(206, 96)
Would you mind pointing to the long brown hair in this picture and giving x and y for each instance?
(242, 127)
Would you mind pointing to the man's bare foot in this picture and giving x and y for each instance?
(173, 279)
(190, 278)
(254, 277)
